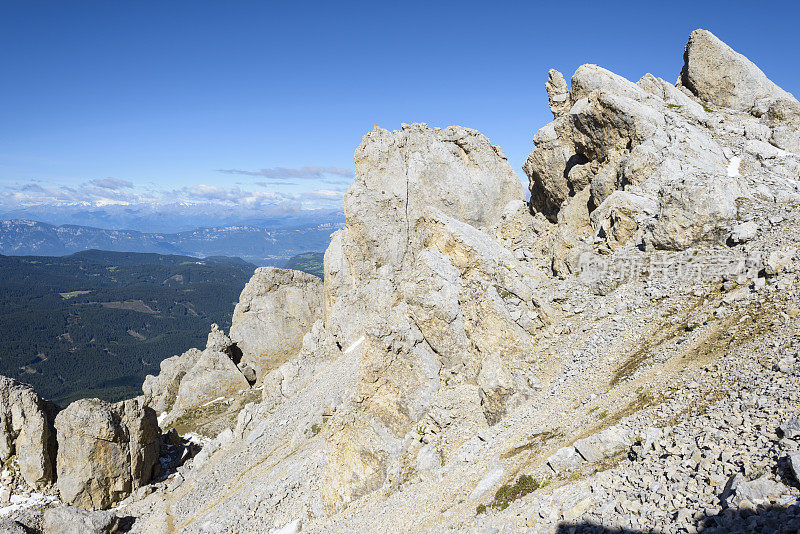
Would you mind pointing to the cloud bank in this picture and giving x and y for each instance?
(115, 202)
(302, 173)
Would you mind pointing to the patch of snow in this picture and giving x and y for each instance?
(491, 479)
(20, 502)
(733, 166)
(292, 527)
(352, 347)
(209, 403)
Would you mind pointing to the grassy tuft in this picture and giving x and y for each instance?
(507, 494)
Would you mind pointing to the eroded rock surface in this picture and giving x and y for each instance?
(453, 382)
(27, 433)
(650, 164)
(276, 309)
(719, 75)
(197, 377)
(105, 451)
(162, 389)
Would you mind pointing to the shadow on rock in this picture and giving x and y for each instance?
(773, 519)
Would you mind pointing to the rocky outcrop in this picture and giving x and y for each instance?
(27, 433)
(197, 377)
(717, 74)
(105, 451)
(70, 520)
(650, 164)
(619, 137)
(722, 77)
(454, 384)
(213, 375)
(416, 284)
(162, 389)
(275, 310)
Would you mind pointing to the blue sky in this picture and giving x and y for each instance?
(149, 101)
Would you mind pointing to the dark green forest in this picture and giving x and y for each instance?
(310, 262)
(95, 323)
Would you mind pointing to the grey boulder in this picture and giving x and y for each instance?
(719, 75)
(791, 428)
(105, 451)
(276, 309)
(71, 520)
(26, 430)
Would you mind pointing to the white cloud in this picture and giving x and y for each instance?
(327, 194)
(111, 183)
(237, 201)
(309, 172)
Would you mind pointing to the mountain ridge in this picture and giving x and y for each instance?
(622, 352)
(259, 245)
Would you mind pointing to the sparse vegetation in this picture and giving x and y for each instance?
(537, 441)
(507, 494)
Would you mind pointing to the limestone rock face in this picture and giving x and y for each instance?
(213, 375)
(196, 377)
(419, 287)
(162, 389)
(105, 451)
(719, 75)
(400, 174)
(645, 163)
(276, 309)
(26, 430)
(449, 361)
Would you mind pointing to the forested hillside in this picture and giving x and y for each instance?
(96, 323)
(308, 262)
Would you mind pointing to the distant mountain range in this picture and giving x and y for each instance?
(170, 218)
(258, 245)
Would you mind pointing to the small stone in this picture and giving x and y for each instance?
(794, 464)
(791, 428)
(744, 232)
(758, 491)
(564, 460)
